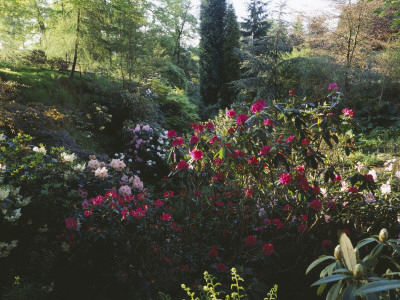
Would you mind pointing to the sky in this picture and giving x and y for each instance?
(294, 7)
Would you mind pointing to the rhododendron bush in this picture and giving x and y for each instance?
(264, 189)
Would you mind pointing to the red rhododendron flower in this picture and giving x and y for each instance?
(353, 190)
(316, 189)
(199, 128)
(178, 142)
(267, 222)
(249, 192)
(316, 205)
(194, 140)
(71, 223)
(337, 178)
(225, 232)
(171, 134)
(210, 126)
(304, 217)
(300, 170)
(268, 122)
(369, 177)
(220, 177)
(165, 217)
(158, 203)
(331, 205)
(258, 106)
(276, 221)
(348, 112)
(265, 150)
(213, 140)
(213, 252)
(230, 113)
(303, 183)
(268, 249)
(287, 207)
(291, 92)
(346, 231)
(305, 142)
(196, 154)
(285, 178)
(182, 165)
(241, 119)
(221, 267)
(251, 241)
(231, 131)
(302, 228)
(326, 244)
(253, 161)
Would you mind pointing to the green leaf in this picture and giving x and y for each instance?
(365, 242)
(331, 278)
(395, 247)
(334, 291)
(318, 261)
(378, 286)
(349, 292)
(342, 270)
(348, 251)
(321, 289)
(376, 251)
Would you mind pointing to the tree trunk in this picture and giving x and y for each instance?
(78, 22)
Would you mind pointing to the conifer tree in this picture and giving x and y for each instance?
(212, 17)
(231, 59)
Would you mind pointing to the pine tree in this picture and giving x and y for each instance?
(256, 25)
(231, 59)
(212, 16)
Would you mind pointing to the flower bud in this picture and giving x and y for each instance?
(359, 271)
(383, 235)
(338, 252)
(357, 254)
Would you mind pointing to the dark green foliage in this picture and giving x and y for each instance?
(231, 65)
(212, 16)
(256, 25)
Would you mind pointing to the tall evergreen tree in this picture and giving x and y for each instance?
(256, 25)
(231, 59)
(212, 17)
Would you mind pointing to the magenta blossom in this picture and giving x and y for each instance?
(230, 113)
(333, 86)
(196, 154)
(258, 106)
(241, 119)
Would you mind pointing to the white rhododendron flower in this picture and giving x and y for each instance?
(65, 157)
(94, 164)
(42, 150)
(386, 188)
(117, 164)
(103, 172)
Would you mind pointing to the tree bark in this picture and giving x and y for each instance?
(78, 22)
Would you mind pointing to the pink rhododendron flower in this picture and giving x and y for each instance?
(230, 113)
(199, 128)
(251, 241)
(249, 192)
(285, 178)
(182, 165)
(316, 205)
(291, 92)
(268, 249)
(268, 122)
(348, 112)
(171, 134)
(369, 198)
(333, 86)
(300, 170)
(265, 150)
(178, 142)
(125, 191)
(290, 139)
(241, 119)
(213, 252)
(71, 223)
(253, 161)
(196, 154)
(94, 164)
(258, 106)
